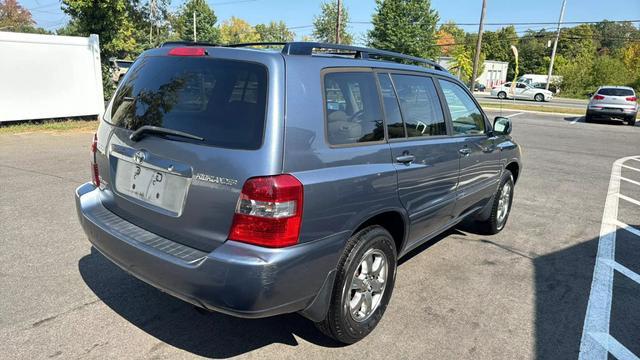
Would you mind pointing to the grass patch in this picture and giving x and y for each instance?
(52, 126)
(540, 108)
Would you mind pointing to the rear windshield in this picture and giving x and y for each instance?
(615, 92)
(222, 101)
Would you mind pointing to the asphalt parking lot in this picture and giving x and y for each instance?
(521, 294)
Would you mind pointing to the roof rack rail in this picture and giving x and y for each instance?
(186, 43)
(307, 48)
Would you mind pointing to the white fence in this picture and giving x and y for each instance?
(47, 76)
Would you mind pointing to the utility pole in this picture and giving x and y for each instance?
(555, 44)
(195, 33)
(152, 11)
(338, 22)
(476, 58)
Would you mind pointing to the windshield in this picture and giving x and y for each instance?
(222, 101)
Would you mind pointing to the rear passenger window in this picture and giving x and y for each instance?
(395, 127)
(420, 106)
(353, 112)
(466, 117)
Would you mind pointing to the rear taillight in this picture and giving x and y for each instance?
(95, 175)
(269, 212)
(598, 97)
(632, 98)
(187, 51)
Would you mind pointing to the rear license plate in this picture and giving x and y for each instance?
(158, 188)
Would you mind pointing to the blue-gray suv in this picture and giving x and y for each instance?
(256, 181)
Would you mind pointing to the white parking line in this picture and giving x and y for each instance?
(576, 119)
(516, 114)
(631, 168)
(627, 227)
(596, 342)
(629, 180)
(631, 200)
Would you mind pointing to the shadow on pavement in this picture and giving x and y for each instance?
(601, 121)
(562, 287)
(180, 324)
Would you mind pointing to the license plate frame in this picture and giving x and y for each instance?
(151, 187)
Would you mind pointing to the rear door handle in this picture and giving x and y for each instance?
(464, 151)
(405, 158)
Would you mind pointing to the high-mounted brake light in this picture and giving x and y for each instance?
(269, 212)
(187, 51)
(632, 98)
(95, 175)
(598, 97)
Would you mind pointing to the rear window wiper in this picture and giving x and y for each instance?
(148, 129)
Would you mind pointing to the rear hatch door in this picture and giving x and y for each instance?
(186, 187)
(615, 99)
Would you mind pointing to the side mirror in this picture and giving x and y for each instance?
(589, 95)
(502, 125)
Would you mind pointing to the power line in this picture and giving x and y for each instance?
(521, 23)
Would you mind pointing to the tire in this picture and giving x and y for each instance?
(497, 220)
(342, 323)
(631, 121)
(588, 118)
(538, 98)
(502, 95)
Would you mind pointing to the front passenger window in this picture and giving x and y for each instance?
(466, 117)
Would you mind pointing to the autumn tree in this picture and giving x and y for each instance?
(405, 26)
(324, 25)
(14, 17)
(274, 32)
(236, 30)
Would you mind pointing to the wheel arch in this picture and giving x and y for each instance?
(394, 221)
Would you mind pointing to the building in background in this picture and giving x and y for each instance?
(49, 77)
(495, 72)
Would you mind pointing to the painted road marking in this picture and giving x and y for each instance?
(627, 227)
(631, 168)
(624, 270)
(613, 346)
(629, 180)
(596, 342)
(516, 114)
(576, 120)
(631, 200)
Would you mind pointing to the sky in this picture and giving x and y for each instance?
(299, 14)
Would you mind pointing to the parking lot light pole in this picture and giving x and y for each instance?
(555, 45)
(476, 58)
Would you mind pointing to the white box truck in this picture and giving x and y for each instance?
(49, 76)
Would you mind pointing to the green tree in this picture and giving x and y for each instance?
(614, 36)
(274, 32)
(533, 52)
(462, 63)
(406, 26)
(206, 20)
(110, 19)
(324, 25)
(496, 45)
(151, 21)
(236, 30)
(578, 41)
(14, 17)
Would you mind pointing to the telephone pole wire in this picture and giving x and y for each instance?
(555, 45)
(338, 24)
(476, 58)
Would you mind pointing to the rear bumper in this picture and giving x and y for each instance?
(594, 111)
(236, 278)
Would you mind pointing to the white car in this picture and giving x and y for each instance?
(522, 91)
